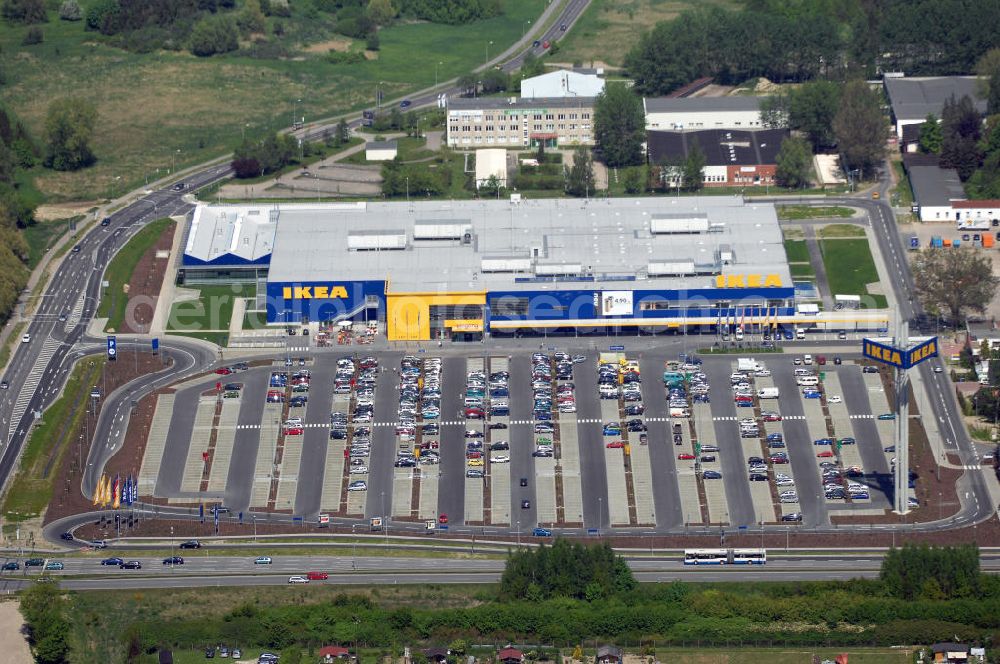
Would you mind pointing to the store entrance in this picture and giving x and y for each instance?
(457, 323)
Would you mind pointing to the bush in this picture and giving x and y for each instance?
(214, 34)
(33, 36)
(71, 11)
(344, 57)
(24, 12)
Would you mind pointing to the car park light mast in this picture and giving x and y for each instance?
(903, 353)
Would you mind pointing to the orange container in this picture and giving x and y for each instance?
(947, 242)
(988, 241)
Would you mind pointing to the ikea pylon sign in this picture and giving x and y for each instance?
(899, 357)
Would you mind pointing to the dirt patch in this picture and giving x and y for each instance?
(12, 642)
(144, 286)
(64, 210)
(68, 499)
(339, 45)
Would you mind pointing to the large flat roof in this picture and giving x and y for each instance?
(934, 186)
(701, 104)
(519, 103)
(916, 98)
(549, 244)
(238, 233)
(721, 147)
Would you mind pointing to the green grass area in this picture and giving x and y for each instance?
(813, 211)
(609, 28)
(121, 267)
(254, 320)
(850, 268)
(211, 312)
(217, 338)
(903, 190)
(42, 235)
(841, 230)
(203, 105)
(802, 271)
(797, 251)
(791, 655)
(14, 338)
(33, 485)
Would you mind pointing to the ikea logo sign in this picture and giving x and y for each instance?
(748, 281)
(898, 357)
(884, 354)
(314, 293)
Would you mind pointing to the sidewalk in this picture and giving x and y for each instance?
(165, 300)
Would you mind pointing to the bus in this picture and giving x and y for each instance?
(725, 557)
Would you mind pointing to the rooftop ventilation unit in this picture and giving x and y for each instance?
(441, 230)
(505, 264)
(686, 224)
(558, 269)
(376, 240)
(670, 268)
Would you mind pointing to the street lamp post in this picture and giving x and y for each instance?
(488, 44)
(436, 66)
(524, 28)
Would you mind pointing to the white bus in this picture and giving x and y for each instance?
(725, 557)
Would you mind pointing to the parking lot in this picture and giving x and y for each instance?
(532, 440)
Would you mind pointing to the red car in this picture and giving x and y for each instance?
(474, 414)
(317, 576)
(442, 518)
(772, 417)
(684, 456)
(473, 455)
(545, 44)
(825, 455)
(616, 444)
(429, 445)
(779, 459)
(223, 371)
(294, 431)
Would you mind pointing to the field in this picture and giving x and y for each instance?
(33, 486)
(207, 317)
(120, 269)
(841, 230)
(165, 110)
(812, 212)
(42, 235)
(797, 251)
(850, 268)
(608, 29)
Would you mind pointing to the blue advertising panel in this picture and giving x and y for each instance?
(112, 348)
(899, 357)
(155, 343)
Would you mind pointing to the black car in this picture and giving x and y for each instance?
(498, 425)
(173, 560)
(191, 544)
(34, 562)
(869, 369)
(12, 565)
(106, 221)
(524, 481)
(178, 187)
(66, 537)
(525, 504)
(707, 458)
(792, 516)
(536, 44)
(757, 477)
(130, 564)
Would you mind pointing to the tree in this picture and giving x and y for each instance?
(70, 10)
(859, 128)
(955, 281)
(988, 71)
(69, 126)
(930, 135)
(774, 111)
(619, 126)
(381, 12)
(794, 163)
(633, 179)
(23, 12)
(216, 33)
(44, 611)
(812, 108)
(580, 180)
(343, 132)
(960, 132)
(693, 169)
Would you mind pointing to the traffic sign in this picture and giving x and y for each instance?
(616, 348)
(112, 348)
(155, 343)
(697, 449)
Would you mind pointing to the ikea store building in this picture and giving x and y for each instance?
(462, 269)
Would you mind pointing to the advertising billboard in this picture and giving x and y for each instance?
(616, 303)
(901, 358)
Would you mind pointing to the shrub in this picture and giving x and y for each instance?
(214, 34)
(24, 12)
(33, 36)
(71, 11)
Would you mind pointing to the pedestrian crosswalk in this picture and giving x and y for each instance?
(74, 316)
(49, 347)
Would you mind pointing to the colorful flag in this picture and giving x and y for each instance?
(116, 493)
(97, 490)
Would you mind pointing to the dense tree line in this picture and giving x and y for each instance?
(803, 40)
(413, 180)
(455, 12)
(811, 613)
(566, 569)
(44, 610)
(921, 571)
(17, 153)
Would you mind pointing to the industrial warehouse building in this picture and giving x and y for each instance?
(461, 269)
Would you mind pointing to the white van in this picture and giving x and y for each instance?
(807, 380)
(800, 333)
(807, 360)
(803, 372)
(739, 334)
(767, 393)
(680, 412)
